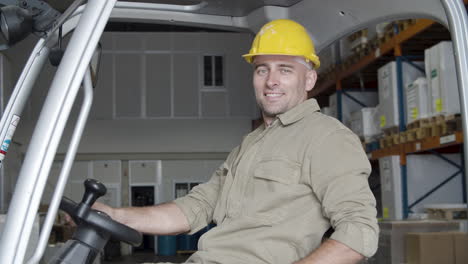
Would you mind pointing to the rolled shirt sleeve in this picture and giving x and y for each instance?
(339, 178)
(198, 205)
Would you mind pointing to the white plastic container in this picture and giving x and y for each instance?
(369, 99)
(362, 123)
(417, 96)
(390, 182)
(388, 90)
(442, 79)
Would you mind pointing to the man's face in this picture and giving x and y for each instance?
(281, 82)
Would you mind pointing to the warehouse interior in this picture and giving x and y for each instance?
(172, 100)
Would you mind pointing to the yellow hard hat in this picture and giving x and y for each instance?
(283, 37)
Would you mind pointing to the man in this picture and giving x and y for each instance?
(287, 183)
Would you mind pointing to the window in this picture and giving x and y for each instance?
(213, 71)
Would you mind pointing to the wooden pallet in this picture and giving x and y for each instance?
(405, 24)
(418, 123)
(423, 132)
(445, 125)
(391, 130)
(373, 43)
(433, 127)
(388, 34)
(357, 34)
(447, 213)
(391, 136)
(386, 142)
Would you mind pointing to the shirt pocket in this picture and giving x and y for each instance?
(278, 171)
(274, 188)
(220, 209)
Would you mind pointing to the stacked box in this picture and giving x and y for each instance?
(417, 97)
(442, 79)
(390, 182)
(429, 248)
(362, 123)
(424, 172)
(388, 90)
(461, 244)
(391, 248)
(436, 247)
(369, 99)
(380, 29)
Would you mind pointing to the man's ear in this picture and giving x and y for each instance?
(311, 79)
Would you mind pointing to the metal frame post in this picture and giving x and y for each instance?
(431, 191)
(353, 99)
(65, 172)
(401, 94)
(17, 101)
(339, 102)
(458, 24)
(49, 129)
(404, 186)
(463, 177)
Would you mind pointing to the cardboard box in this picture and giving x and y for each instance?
(437, 247)
(392, 248)
(461, 248)
(430, 248)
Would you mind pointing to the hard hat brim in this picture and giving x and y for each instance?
(314, 59)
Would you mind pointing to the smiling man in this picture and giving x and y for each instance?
(286, 184)
(281, 82)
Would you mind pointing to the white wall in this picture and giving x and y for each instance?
(153, 136)
(150, 96)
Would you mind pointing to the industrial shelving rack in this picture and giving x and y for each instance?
(410, 41)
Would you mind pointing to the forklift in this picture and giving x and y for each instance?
(327, 22)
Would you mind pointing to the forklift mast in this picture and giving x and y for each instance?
(87, 22)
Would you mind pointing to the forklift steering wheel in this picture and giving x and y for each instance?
(92, 219)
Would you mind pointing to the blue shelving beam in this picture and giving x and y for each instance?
(354, 99)
(339, 104)
(402, 127)
(460, 171)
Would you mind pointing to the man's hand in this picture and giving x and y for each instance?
(104, 208)
(96, 206)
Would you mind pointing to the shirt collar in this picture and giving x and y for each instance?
(299, 111)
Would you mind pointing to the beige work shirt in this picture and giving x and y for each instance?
(281, 189)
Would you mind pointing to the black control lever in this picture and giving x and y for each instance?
(93, 190)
